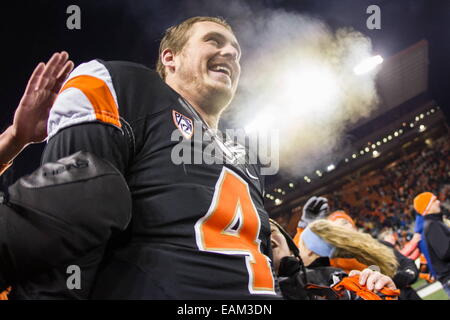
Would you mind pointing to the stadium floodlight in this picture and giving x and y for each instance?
(396, 133)
(417, 118)
(384, 140)
(411, 125)
(354, 156)
(366, 149)
(375, 154)
(422, 128)
(291, 185)
(378, 143)
(368, 65)
(421, 116)
(346, 159)
(278, 202)
(331, 167)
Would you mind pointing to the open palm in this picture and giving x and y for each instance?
(30, 119)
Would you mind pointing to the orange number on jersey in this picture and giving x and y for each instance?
(232, 226)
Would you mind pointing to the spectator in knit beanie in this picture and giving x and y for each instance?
(436, 236)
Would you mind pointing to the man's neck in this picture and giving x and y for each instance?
(208, 113)
(211, 120)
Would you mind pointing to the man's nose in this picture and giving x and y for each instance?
(230, 51)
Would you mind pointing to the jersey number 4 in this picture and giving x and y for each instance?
(231, 226)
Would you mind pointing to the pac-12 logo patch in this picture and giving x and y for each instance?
(184, 124)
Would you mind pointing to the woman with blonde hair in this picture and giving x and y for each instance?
(324, 238)
(407, 272)
(305, 272)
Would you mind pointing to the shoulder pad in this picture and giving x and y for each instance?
(88, 95)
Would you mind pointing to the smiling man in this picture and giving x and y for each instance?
(204, 68)
(198, 231)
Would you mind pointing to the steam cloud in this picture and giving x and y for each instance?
(298, 78)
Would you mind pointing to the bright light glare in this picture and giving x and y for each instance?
(314, 87)
(422, 128)
(331, 167)
(259, 124)
(368, 65)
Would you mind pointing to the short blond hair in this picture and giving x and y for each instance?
(176, 37)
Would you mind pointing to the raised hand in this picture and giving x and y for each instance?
(30, 118)
(315, 208)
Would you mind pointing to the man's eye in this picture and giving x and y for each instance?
(214, 41)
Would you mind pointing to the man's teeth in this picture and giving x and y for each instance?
(220, 69)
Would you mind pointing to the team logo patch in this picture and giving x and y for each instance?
(184, 124)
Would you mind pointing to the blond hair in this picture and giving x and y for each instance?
(176, 37)
(355, 244)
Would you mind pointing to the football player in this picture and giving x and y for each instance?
(199, 231)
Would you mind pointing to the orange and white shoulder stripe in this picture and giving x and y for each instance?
(87, 95)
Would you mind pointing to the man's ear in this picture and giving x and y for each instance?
(168, 59)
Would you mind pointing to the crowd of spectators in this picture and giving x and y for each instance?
(382, 199)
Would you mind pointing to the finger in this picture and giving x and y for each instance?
(34, 79)
(64, 73)
(64, 56)
(42, 83)
(65, 70)
(45, 76)
(310, 200)
(382, 282)
(364, 275)
(52, 64)
(318, 204)
(372, 279)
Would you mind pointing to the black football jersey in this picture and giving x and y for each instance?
(199, 228)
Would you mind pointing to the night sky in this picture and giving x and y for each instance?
(130, 30)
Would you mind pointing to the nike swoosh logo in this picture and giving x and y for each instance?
(250, 175)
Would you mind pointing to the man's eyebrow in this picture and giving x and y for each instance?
(217, 34)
